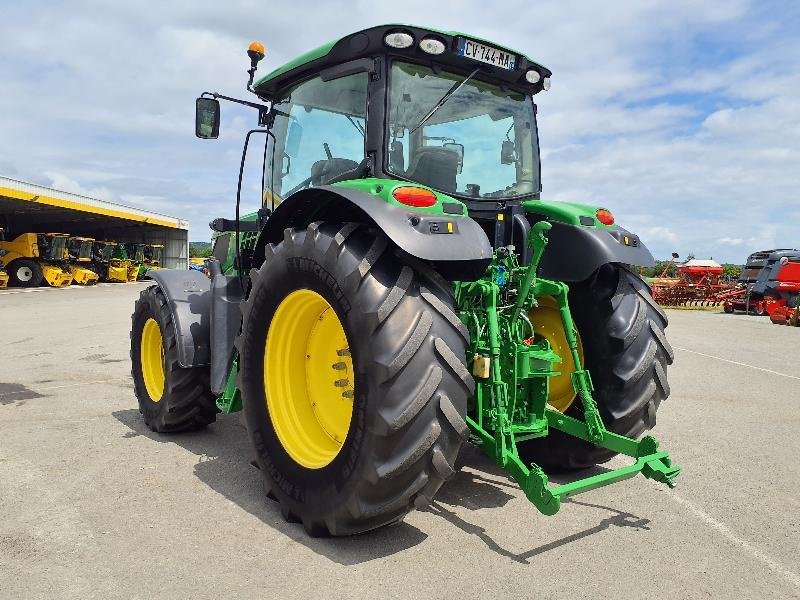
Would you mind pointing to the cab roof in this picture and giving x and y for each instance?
(370, 42)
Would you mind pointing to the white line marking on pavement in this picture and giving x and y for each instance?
(791, 576)
(58, 387)
(741, 364)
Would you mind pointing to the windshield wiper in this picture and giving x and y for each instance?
(357, 125)
(445, 98)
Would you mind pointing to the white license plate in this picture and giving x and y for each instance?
(486, 54)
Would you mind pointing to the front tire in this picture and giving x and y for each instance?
(409, 387)
(171, 398)
(626, 353)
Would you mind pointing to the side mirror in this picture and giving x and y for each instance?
(206, 121)
(293, 137)
(508, 154)
(458, 149)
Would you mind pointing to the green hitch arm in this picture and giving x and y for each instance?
(537, 240)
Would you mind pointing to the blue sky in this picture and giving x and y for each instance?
(681, 117)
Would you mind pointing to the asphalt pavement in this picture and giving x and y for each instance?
(94, 505)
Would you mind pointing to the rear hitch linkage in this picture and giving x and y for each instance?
(510, 403)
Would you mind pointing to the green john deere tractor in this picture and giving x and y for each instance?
(403, 289)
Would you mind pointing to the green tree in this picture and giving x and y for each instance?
(657, 269)
(731, 270)
(195, 252)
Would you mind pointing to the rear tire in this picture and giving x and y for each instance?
(186, 401)
(410, 382)
(626, 353)
(25, 272)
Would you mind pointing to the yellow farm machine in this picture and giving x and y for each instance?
(79, 256)
(34, 258)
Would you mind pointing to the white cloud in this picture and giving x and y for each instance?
(682, 118)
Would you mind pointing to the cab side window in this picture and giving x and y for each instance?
(323, 134)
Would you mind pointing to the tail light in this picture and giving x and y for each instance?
(414, 196)
(604, 216)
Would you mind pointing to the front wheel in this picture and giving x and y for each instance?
(353, 379)
(25, 272)
(621, 329)
(171, 398)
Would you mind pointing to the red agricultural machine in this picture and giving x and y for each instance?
(769, 285)
(699, 282)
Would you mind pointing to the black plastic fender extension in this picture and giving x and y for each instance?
(207, 317)
(463, 254)
(188, 295)
(574, 252)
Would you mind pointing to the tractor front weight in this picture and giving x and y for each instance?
(512, 366)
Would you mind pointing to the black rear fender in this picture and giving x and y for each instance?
(463, 254)
(575, 252)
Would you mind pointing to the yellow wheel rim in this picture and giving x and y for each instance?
(308, 379)
(152, 355)
(546, 320)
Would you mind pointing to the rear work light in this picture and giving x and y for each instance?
(533, 76)
(398, 40)
(604, 216)
(414, 196)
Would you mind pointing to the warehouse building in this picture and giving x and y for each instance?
(30, 208)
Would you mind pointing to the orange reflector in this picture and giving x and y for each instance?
(414, 196)
(604, 216)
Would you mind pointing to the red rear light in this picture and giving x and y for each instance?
(604, 216)
(414, 196)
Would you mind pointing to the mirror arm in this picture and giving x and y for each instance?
(263, 110)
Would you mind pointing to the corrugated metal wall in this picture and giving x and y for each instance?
(175, 242)
(176, 246)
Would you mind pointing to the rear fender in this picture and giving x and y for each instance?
(575, 252)
(463, 254)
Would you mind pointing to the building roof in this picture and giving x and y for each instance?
(22, 193)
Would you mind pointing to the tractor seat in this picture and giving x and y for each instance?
(323, 171)
(436, 167)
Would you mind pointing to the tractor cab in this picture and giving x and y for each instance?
(103, 251)
(79, 249)
(108, 261)
(79, 255)
(424, 112)
(52, 246)
(135, 252)
(153, 254)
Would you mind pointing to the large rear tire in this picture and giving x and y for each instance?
(397, 355)
(25, 272)
(171, 398)
(626, 353)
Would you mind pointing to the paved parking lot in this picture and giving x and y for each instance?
(96, 506)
